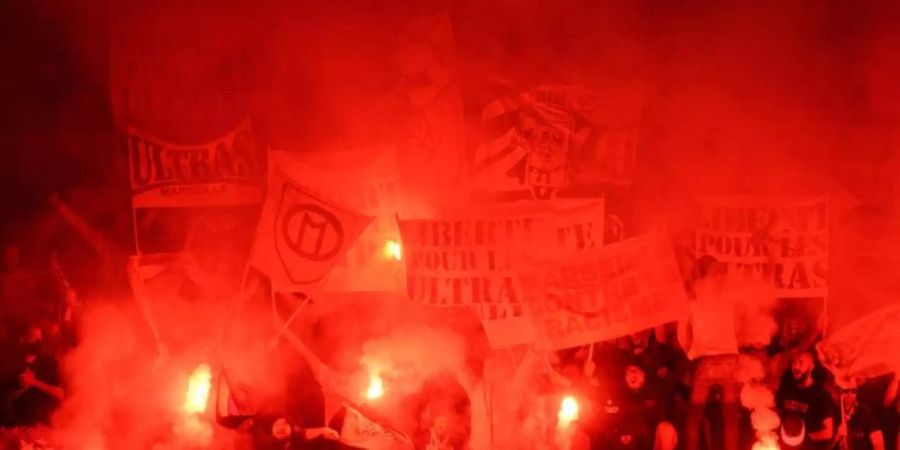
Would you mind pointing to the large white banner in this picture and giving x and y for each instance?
(606, 292)
(470, 258)
(786, 239)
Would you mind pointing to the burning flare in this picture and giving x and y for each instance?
(376, 387)
(393, 250)
(568, 412)
(766, 443)
(197, 394)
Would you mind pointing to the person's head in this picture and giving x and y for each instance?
(640, 341)
(635, 377)
(802, 366)
(33, 334)
(792, 331)
(710, 268)
(11, 258)
(849, 401)
(282, 429)
(32, 339)
(441, 424)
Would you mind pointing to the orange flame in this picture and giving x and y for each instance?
(199, 386)
(393, 250)
(376, 387)
(766, 443)
(568, 412)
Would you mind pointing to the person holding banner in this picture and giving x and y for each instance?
(860, 429)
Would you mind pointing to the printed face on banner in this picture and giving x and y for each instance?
(786, 240)
(604, 293)
(548, 142)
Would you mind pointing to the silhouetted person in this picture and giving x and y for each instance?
(31, 391)
(18, 290)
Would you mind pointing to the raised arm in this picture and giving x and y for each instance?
(98, 241)
(825, 433)
(890, 395)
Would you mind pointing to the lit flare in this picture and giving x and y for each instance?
(393, 250)
(766, 443)
(568, 412)
(376, 387)
(199, 386)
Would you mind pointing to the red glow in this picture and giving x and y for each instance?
(376, 387)
(393, 250)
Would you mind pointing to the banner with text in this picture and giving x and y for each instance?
(606, 292)
(365, 182)
(226, 171)
(741, 231)
(471, 258)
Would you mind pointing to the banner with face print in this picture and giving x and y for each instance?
(547, 142)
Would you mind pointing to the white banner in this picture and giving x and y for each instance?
(739, 230)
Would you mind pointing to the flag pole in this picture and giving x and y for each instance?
(287, 323)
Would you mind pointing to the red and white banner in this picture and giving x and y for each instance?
(226, 171)
(470, 258)
(606, 292)
(553, 141)
(865, 348)
(365, 182)
(736, 229)
(301, 236)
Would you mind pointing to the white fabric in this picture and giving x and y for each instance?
(713, 321)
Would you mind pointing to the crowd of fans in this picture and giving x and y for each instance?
(672, 387)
